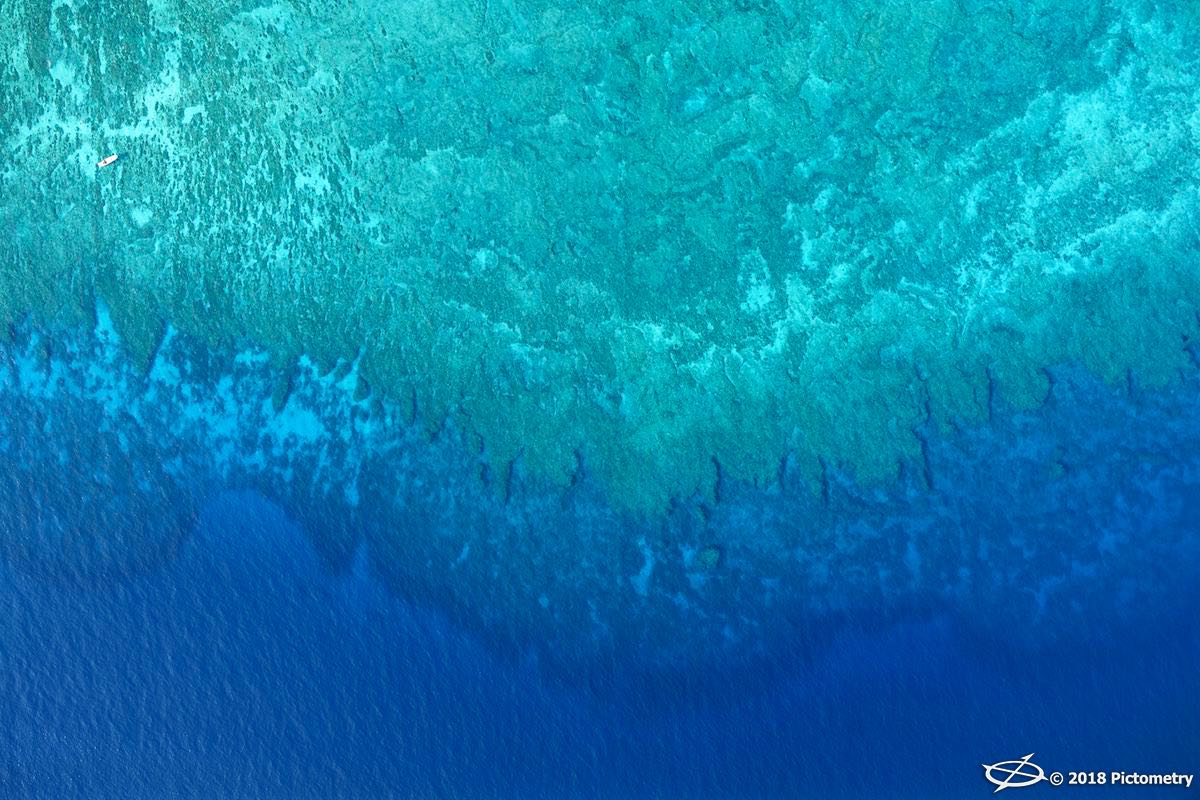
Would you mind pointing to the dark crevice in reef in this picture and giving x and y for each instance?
(994, 525)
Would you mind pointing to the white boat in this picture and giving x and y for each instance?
(104, 162)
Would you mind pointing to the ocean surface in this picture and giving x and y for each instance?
(245, 669)
(221, 654)
(555, 399)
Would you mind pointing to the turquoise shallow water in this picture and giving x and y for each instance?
(646, 238)
(775, 400)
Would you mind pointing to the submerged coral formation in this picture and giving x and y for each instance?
(665, 239)
(1066, 523)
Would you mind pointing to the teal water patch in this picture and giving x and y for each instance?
(650, 235)
(1069, 522)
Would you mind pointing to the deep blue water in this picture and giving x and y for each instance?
(243, 668)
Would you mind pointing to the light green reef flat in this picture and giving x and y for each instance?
(657, 236)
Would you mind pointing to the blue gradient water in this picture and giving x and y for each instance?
(244, 669)
(554, 399)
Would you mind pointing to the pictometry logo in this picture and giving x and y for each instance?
(1014, 774)
(1017, 773)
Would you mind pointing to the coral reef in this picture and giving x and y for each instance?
(660, 239)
